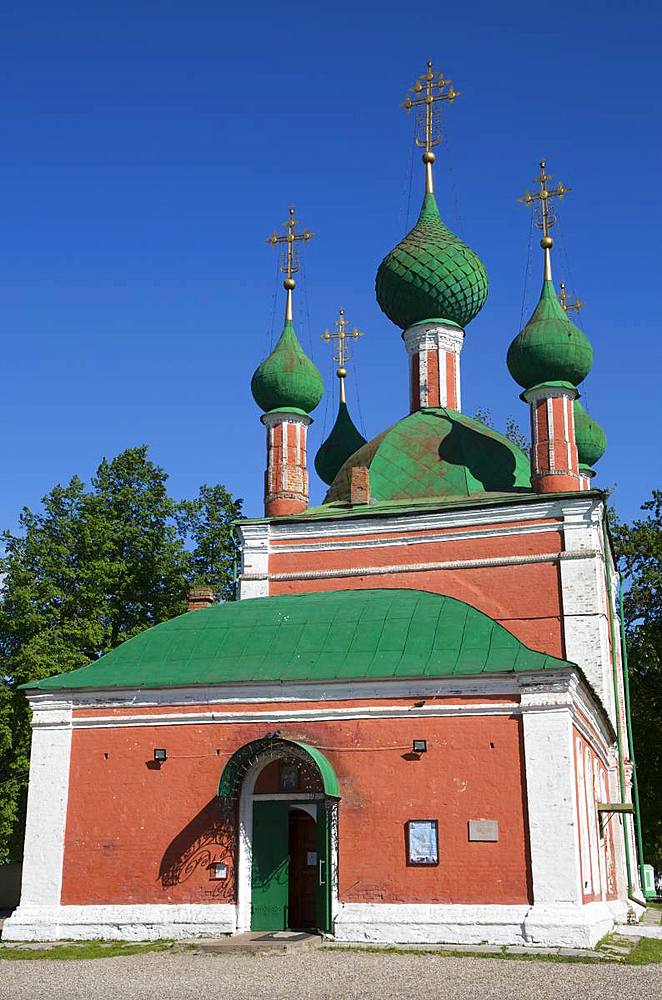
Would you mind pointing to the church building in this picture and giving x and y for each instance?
(411, 725)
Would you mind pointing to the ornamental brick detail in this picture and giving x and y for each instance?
(434, 365)
(286, 476)
(554, 460)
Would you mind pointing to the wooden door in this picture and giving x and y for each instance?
(270, 876)
(304, 868)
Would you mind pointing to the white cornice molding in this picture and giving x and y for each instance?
(432, 336)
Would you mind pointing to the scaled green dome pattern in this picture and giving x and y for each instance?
(436, 453)
(287, 378)
(431, 274)
(590, 438)
(342, 442)
(338, 635)
(550, 348)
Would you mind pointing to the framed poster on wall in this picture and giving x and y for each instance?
(422, 842)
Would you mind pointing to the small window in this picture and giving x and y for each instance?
(422, 842)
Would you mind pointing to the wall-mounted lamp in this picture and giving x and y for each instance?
(420, 746)
(160, 754)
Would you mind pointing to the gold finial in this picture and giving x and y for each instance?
(545, 217)
(430, 87)
(341, 353)
(290, 263)
(566, 305)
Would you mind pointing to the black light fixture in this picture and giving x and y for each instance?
(420, 746)
(160, 754)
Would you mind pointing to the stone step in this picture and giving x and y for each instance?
(258, 942)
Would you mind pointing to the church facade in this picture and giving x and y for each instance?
(411, 724)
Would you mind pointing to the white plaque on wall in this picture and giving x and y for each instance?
(484, 829)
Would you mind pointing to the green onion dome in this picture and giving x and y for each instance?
(431, 274)
(550, 348)
(342, 442)
(287, 378)
(589, 435)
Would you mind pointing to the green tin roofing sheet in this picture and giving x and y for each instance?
(331, 636)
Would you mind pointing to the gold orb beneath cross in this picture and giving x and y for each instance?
(428, 156)
(547, 243)
(289, 284)
(341, 373)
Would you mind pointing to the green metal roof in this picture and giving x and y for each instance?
(550, 347)
(342, 442)
(590, 438)
(436, 452)
(287, 378)
(234, 770)
(329, 636)
(431, 273)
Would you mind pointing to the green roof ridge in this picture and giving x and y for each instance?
(341, 443)
(328, 636)
(431, 273)
(287, 379)
(549, 348)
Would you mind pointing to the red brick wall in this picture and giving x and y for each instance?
(138, 833)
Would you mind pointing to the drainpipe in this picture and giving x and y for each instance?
(628, 720)
(617, 702)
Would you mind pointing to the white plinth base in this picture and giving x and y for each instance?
(561, 925)
(147, 922)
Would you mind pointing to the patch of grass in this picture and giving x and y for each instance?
(503, 953)
(647, 951)
(87, 949)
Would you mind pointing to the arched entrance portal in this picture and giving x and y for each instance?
(287, 795)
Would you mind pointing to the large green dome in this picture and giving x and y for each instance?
(431, 274)
(590, 438)
(287, 378)
(436, 453)
(550, 348)
(342, 442)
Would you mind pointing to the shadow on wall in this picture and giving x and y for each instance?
(10, 885)
(208, 839)
(488, 460)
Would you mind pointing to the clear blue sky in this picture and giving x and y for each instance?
(149, 148)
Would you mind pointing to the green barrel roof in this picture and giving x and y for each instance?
(590, 438)
(431, 274)
(287, 378)
(436, 453)
(331, 636)
(342, 442)
(550, 347)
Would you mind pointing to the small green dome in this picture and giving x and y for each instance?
(589, 435)
(436, 453)
(342, 442)
(431, 274)
(287, 378)
(550, 348)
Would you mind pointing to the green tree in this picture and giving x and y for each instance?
(92, 568)
(513, 431)
(639, 550)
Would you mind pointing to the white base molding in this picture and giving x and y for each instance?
(141, 922)
(562, 925)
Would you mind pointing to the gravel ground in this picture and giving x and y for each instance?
(321, 975)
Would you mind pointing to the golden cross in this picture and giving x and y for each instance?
(290, 262)
(545, 218)
(341, 353)
(430, 87)
(565, 304)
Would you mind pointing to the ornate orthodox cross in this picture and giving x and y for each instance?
(545, 217)
(290, 263)
(341, 352)
(431, 87)
(566, 305)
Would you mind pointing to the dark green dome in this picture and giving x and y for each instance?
(287, 378)
(550, 348)
(342, 442)
(589, 435)
(436, 453)
(431, 274)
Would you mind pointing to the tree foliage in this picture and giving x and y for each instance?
(639, 549)
(513, 431)
(95, 566)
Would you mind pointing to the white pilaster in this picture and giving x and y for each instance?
(254, 560)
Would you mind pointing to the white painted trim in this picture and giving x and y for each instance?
(48, 793)
(273, 419)
(452, 564)
(410, 539)
(135, 922)
(466, 924)
(551, 456)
